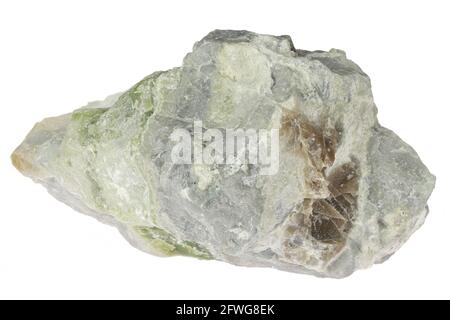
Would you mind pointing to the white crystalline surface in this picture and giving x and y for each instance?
(348, 192)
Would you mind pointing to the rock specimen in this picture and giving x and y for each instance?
(347, 193)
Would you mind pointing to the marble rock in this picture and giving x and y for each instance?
(347, 194)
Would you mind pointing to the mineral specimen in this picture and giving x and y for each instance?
(346, 192)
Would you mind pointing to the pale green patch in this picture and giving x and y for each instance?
(242, 76)
(85, 121)
(88, 155)
(166, 244)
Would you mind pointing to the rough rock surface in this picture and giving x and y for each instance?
(348, 192)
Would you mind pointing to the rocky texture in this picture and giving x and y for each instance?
(348, 192)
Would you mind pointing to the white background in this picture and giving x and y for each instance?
(57, 55)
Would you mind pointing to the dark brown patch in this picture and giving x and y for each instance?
(330, 219)
(344, 179)
(320, 143)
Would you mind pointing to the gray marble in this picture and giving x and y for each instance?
(348, 192)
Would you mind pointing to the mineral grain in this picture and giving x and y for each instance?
(347, 194)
